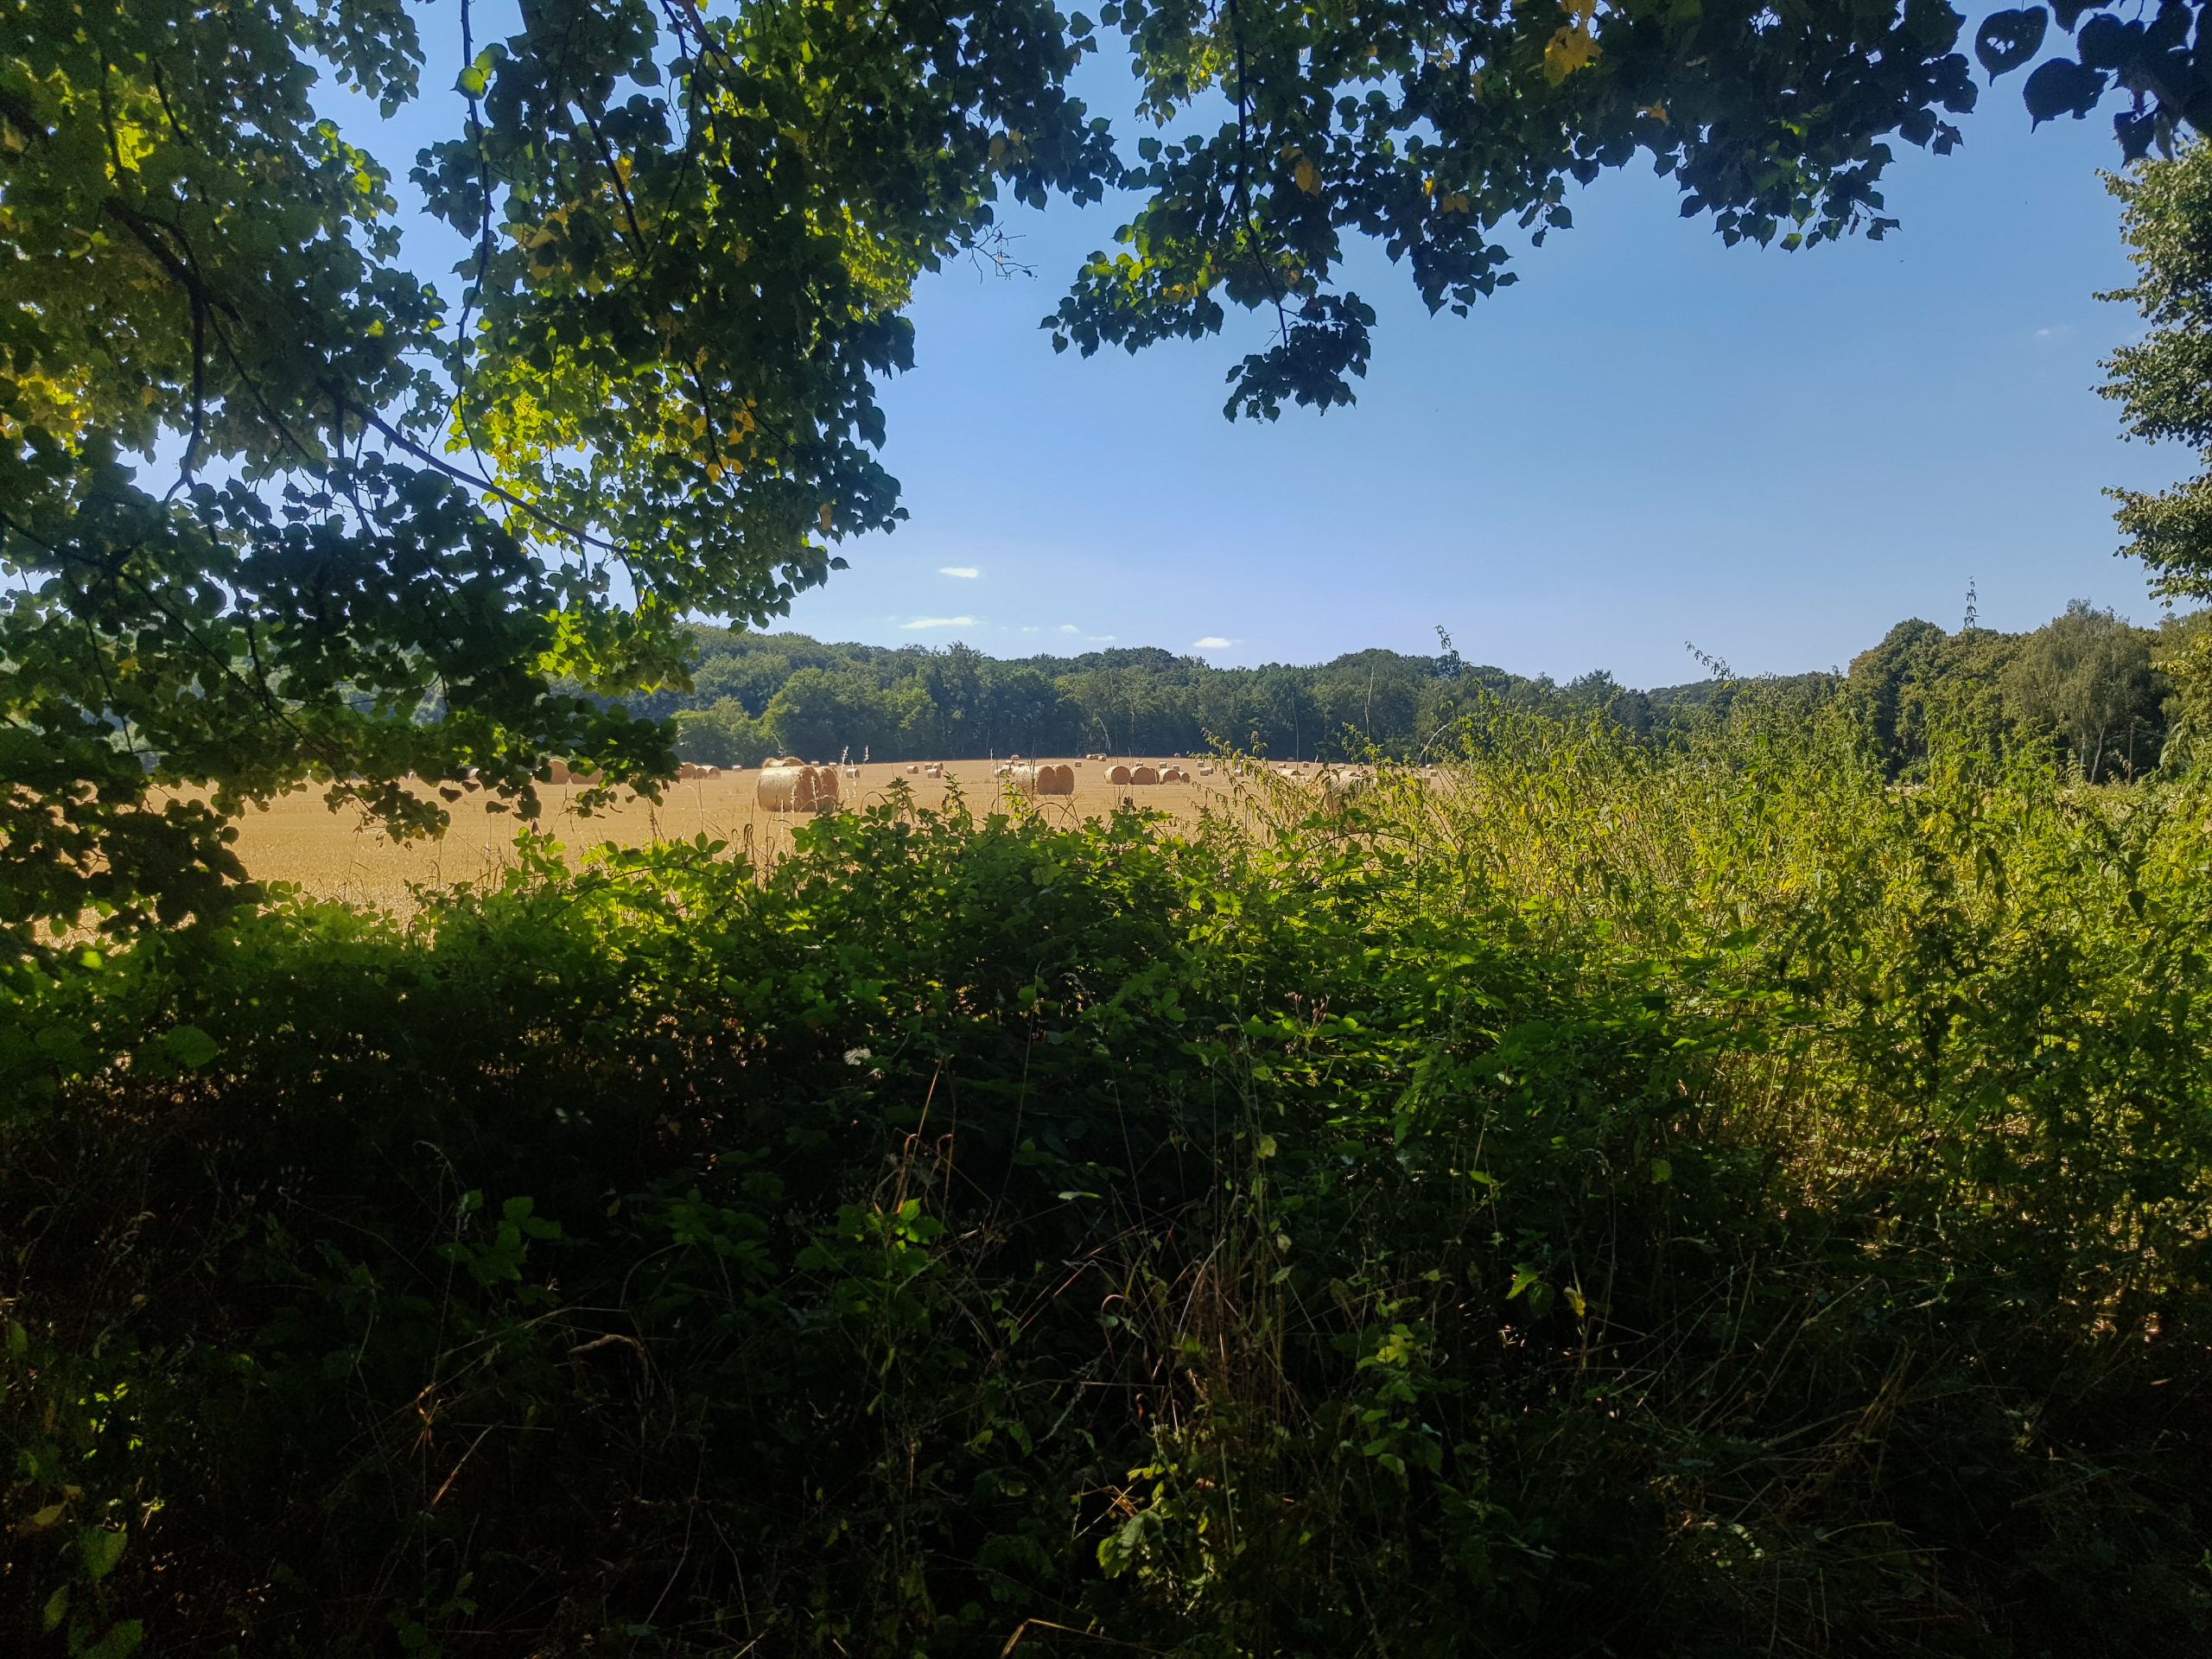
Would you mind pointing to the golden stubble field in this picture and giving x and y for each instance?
(335, 855)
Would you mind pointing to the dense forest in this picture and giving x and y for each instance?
(2087, 684)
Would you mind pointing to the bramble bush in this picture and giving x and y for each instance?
(1699, 1203)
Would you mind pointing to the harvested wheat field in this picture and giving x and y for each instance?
(331, 855)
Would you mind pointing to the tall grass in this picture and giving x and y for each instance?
(1595, 1200)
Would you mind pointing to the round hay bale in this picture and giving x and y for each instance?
(1173, 775)
(825, 787)
(1144, 775)
(783, 789)
(1205, 771)
(915, 766)
(1032, 779)
(793, 789)
(1117, 773)
(1341, 791)
(560, 773)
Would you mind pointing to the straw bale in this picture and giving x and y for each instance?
(797, 788)
(1341, 788)
(915, 765)
(1033, 780)
(1205, 771)
(1117, 773)
(1144, 775)
(560, 773)
(783, 789)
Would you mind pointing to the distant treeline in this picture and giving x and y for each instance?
(757, 693)
(2086, 681)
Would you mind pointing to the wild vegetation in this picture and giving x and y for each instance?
(1704, 1202)
(1702, 1172)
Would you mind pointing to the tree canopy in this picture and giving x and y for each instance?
(280, 506)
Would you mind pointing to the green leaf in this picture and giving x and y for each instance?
(57, 1609)
(120, 1642)
(477, 76)
(2008, 39)
(2062, 87)
(189, 1046)
(100, 1548)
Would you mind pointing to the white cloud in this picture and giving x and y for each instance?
(1211, 642)
(1029, 630)
(1098, 639)
(1069, 627)
(940, 622)
(965, 572)
(2058, 332)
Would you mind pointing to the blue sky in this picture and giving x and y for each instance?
(1651, 438)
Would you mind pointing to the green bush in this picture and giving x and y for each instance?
(1698, 1204)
